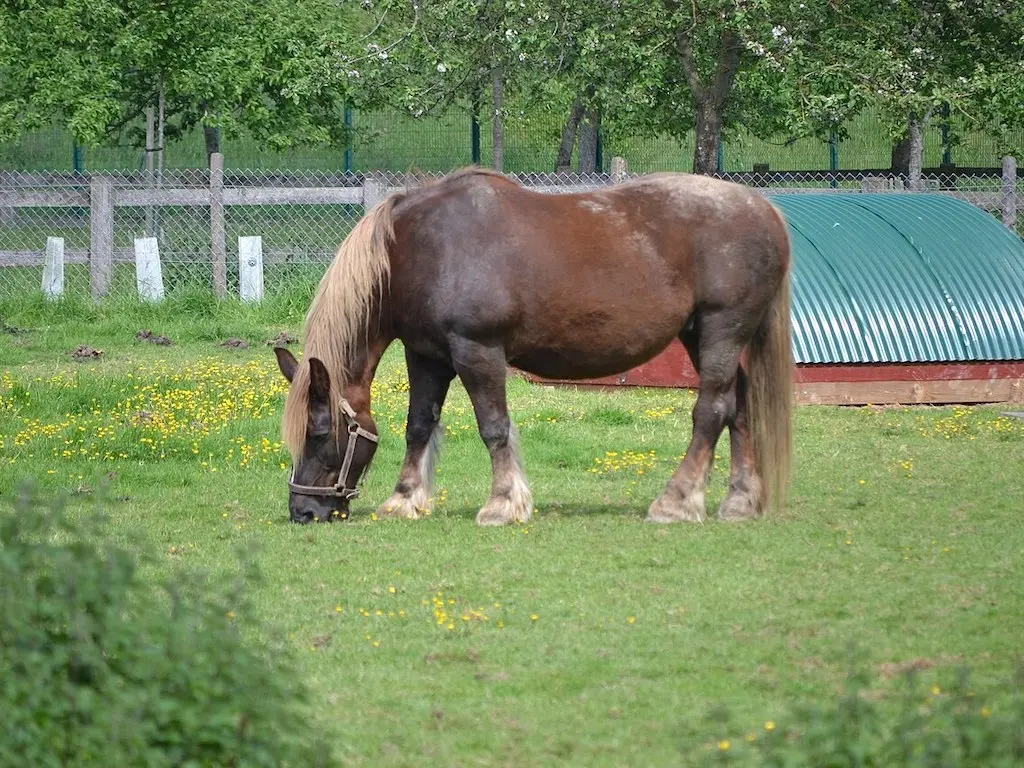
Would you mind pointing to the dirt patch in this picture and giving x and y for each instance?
(890, 669)
(11, 329)
(234, 344)
(282, 339)
(85, 352)
(150, 338)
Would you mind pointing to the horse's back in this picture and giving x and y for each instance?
(578, 284)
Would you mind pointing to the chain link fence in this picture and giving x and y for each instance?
(198, 216)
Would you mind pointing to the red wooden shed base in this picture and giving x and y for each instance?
(876, 384)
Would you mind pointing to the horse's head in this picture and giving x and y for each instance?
(337, 447)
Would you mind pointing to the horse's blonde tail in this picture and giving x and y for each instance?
(770, 397)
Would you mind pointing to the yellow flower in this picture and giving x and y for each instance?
(631, 619)
(936, 690)
(724, 745)
(534, 617)
(986, 712)
(769, 725)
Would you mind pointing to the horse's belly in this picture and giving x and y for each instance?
(571, 362)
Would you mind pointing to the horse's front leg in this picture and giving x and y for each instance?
(482, 369)
(428, 387)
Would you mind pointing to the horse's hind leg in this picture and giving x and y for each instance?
(716, 355)
(428, 387)
(745, 498)
(482, 369)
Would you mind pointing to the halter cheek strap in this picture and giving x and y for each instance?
(340, 489)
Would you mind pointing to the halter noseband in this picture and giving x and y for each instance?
(339, 489)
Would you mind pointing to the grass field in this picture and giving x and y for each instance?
(585, 637)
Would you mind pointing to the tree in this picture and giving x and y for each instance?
(678, 66)
(435, 54)
(908, 59)
(98, 65)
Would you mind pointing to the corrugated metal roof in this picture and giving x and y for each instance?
(899, 278)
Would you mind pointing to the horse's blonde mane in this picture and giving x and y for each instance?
(350, 289)
(339, 314)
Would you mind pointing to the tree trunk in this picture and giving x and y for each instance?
(498, 126)
(564, 161)
(212, 136)
(916, 160)
(899, 161)
(708, 131)
(711, 97)
(474, 126)
(589, 127)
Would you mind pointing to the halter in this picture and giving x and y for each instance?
(339, 489)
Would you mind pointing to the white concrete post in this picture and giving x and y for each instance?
(148, 275)
(250, 268)
(53, 268)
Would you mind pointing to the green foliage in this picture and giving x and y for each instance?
(905, 59)
(872, 723)
(102, 667)
(97, 65)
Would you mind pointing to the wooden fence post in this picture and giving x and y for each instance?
(101, 231)
(148, 276)
(218, 236)
(53, 268)
(619, 170)
(1010, 192)
(250, 268)
(374, 191)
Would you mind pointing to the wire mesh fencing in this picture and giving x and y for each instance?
(198, 219)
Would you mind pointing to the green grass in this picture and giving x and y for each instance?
(585, 637)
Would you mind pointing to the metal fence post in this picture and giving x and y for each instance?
(1010, 192)
(101, 231)
(218, 236)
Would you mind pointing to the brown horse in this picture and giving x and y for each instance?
(476, 272)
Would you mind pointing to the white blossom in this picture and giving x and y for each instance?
(441, 68)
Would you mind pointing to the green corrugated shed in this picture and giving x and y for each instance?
(902, 278)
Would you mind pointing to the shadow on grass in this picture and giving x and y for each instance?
(555, 511)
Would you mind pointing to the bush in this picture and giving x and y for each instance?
(916, 724)
(103, 667)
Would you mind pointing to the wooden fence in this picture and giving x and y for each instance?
(101, 195)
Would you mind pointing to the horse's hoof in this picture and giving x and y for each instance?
(669, 508)
(503, 510)
(399, 506)
(739, 507)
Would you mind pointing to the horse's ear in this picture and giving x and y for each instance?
(319, 382)
(286, 362)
